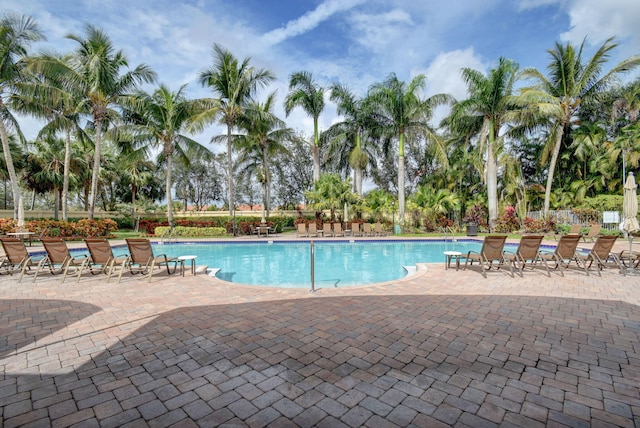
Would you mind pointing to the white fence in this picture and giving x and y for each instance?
(568, 217)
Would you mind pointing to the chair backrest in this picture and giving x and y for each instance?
(14, 249)
(56, 249)
(567, 246)
(140, 250)
(326, 227)
(302, 228)
(594, 229)
(99, 249)
(493, 246)
(366, 227)
(355, 227)
(337, 228)
(313, 228)
(529, 246)
(603, 246)
(377, 227)
(575, 229)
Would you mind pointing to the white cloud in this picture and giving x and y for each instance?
(308, 21)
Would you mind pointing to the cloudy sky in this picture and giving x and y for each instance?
(355, 42)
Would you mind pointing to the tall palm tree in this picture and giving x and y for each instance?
(304, 92)
(160, 120)
(571, 82)
(16, 35)
(265, 137)
(233, 84)
(482, 115)
(94, 71)
(404, 115)
(346, 136)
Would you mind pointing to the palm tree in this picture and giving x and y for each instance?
(234, 84)
(404, 115)
(94, 72)
(331, 192)
(572, 81)
(47, 167)
(160, 120)
(16, 34)
(483, 114)
(265, 136)
(346, 137)
(307, 94)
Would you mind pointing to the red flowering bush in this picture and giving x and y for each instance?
(509, 221)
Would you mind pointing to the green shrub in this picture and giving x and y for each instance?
(192, 232)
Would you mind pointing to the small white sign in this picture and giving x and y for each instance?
(611, 217)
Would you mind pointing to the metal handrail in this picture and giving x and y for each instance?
(453, 233)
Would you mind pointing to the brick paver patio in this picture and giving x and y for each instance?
(442, 348)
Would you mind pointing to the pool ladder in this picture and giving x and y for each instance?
(449, 231)
(167, 235)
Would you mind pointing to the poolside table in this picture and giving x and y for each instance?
(449, 255)
(183, 259)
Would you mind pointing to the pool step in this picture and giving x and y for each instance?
(201, 268)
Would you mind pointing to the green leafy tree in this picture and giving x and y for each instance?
(16, 35)
(304, 92)
(331, 192)
(234, 84)
(572, 81)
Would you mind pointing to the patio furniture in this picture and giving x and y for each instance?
(59, 258)
(16, 257)
(528, 251)
(592, 234)
(491, 252)
(337, 229)
(355, 229)
(564, 253)
(313, 230)
(366, 229)
(302, 230)
(378, 231)
(326, 230)
(102, 259)
(142, 259)
(601, 254)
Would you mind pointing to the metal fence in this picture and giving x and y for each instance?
(568, 217)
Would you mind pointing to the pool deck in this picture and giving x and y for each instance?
(439, 348)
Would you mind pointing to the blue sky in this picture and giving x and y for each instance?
(355, 42)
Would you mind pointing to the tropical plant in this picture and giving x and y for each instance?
(402, 114)
(572, 82)
(264, 138)
(331, 193)
(482, 115)
(16, 35)
(160, 119)
(304, 92)
(233, 84)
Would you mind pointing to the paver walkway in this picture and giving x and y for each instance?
(443, 348)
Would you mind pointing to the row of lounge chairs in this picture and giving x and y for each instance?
(529, 253)
(591, 235)
(101, 259)
(335, 229)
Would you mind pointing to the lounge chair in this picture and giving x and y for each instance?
(592, 234)
(337, 229)
(564, 253)
(601, 253)
(302, 230)
(59, 258)
(528, 251)
(313, 230)
(366, 229)
(377, 229)
(355, 229)
(326, 230)
(16, 257)
(491, 251)
(101, 258)
(576, 229)
(143, 261)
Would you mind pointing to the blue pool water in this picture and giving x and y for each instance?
(337, 264)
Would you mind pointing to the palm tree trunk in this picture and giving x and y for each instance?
(95, 176)
(492, 180)
(401, 181)
(10, 168)
(316, 151)
(267, 184)
(65, 175)
(169, 157)
(230, 167)
(552, 169)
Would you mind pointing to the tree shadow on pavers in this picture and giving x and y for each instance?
(25, 321)
(468, 360)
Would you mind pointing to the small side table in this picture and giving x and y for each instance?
(183, 259)
(449, 255)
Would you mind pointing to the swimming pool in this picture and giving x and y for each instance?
(337, 263)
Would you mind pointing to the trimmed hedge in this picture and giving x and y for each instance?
(83, 228)
(243, 224)
(192, 232)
